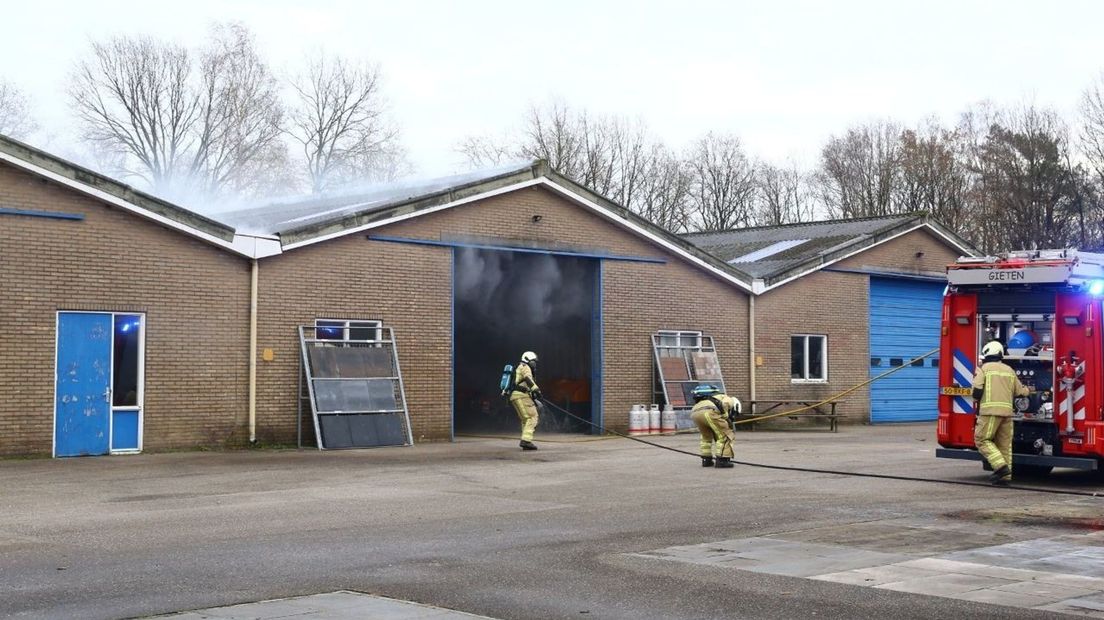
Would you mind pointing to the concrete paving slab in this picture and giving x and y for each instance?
(877, 575)
(778, 557)
(944, 585)
(973, 568)
(1090, 606)
(1000, 597)
(1046, 590)
(341, 605)
(1064, 555)
(1076, 581)
(1094, 602)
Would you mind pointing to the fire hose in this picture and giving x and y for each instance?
(813, 470)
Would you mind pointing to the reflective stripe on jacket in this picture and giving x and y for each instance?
(999, 385)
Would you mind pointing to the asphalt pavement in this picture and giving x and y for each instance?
(578, 529)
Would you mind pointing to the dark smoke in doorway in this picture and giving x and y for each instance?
(541, 292)
(508, 302)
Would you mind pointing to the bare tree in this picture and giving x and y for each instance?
(933, 177)
(859, 171)
(554, 133)
(339, 121)
(722, 183)
(784, 195)
(1025, 191)
(611, 155)
(1092, 125)
(15, 114)
(486, 152)
(180, 127)
(238, 142)
(133, 95)
(661, 196)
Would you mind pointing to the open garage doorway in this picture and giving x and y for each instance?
(508, 302)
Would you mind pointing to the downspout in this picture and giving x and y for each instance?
(751, 348)
(253, 353)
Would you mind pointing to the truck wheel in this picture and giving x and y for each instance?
(1033, 471)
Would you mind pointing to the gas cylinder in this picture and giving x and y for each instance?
(637, 420)
(668, 420)
(654, 420)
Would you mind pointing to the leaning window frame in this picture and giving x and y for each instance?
(347, 325)
(679, 335)
(805, 358)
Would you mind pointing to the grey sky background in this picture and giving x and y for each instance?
(782, 75)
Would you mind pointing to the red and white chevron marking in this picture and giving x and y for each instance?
(1078, 398)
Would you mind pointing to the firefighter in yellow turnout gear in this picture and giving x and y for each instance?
(712, 414)
(995, 386)
(524, 398)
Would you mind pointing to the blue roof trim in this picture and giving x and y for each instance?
(900, 275)
(509, 248)
(53, 215)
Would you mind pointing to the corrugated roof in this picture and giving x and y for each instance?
(770, 250)
(302, 212)
(817, 240)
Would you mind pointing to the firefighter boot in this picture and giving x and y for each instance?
(1002, 477)
(723, 462)
(527, 445)
(707, 461)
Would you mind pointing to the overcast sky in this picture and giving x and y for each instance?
(781, 75)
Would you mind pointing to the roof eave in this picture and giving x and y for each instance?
(353, 222)
(539, 173)
(845, 251)
(38, 162)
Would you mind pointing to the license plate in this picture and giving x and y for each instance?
(956, 391)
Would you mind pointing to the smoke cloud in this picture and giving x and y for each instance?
(520, 287)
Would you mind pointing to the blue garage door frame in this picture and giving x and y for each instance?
(904, 323)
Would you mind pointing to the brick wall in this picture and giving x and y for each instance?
(409, 288)
(836, 305)
(900, 255)
(196, 302)
(195, 297)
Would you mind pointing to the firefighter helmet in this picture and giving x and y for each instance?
(993, 349)
(704, 391)
(529, 358)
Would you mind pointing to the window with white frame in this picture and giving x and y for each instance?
(808, 358)
(338, 329)
(671, 342)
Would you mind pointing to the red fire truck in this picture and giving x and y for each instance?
(1045, 307)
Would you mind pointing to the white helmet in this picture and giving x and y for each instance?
(992, 349)
(529, 358)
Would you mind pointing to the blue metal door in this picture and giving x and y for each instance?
(83, 393)
(904, 323)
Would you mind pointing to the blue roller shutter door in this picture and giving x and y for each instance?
(904, 324)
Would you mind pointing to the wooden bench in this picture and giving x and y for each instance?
(819, 412)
